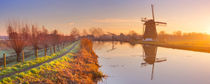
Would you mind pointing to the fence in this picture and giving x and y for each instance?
(8, 57)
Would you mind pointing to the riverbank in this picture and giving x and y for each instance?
(199, 46)
(180, 45)
(76, 67)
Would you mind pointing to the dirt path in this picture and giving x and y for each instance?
(10, 74)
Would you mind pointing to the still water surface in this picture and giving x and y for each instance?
(143, 64)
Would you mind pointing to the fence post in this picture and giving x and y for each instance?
(51, 50)
(63, 45)
(5, 63)
(45, 52)
(58, 47)
(37, 53)
(54, 48)
(23, 56)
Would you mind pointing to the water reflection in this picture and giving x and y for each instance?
(103, 44)
(149, 56)
(113, 46)
(122, 65)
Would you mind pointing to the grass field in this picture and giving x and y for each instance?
(28, 51)
(201, 46)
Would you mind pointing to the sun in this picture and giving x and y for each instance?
(207, 30)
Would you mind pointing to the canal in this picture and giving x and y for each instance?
(126, 63)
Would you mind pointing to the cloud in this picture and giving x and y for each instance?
(64, 25)
(114, 20)
(70, 24)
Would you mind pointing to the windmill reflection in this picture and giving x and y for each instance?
(149, 56)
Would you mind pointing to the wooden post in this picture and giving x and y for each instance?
(54, 48)
(23, 56)
(5, 63)
(58, 47)
(45, 51)
(51, 50)
(63, 45)
(37, 53)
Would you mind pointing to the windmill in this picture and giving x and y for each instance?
(149, 27)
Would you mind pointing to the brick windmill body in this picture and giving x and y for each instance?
(149, 28)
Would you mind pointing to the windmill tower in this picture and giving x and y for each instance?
(149, 27)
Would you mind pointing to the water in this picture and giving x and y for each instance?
(142, 64)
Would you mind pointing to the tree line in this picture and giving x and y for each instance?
(179, 35)
(21, 35)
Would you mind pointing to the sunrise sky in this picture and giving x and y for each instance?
(111, 15)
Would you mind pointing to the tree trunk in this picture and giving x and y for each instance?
(5, 60)
(45, 51)
(18, 57)
(36, 53)
(51, 51)
(54, 48)
(23, 56)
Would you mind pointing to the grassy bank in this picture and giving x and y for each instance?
(27, 64)
(76, 67)
(28, 52)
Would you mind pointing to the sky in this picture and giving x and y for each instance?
(111, 15)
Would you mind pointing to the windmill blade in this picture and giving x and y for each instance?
(144, 64)
(160, 59)
(153, 13)
(111, 50)
(161, 23)
(144, 19)
(110, 33)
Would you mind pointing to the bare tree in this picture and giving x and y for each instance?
(44, 37)
(60, 40)
(18, 37)
(84, 32)
(96, 32)
(35, 38)
(74, 33)
(132, 35)
(55, 39)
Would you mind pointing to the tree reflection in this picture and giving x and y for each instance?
(99, 45)
(149, 56)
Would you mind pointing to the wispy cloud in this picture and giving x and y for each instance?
(70, 24)
(114, 20)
